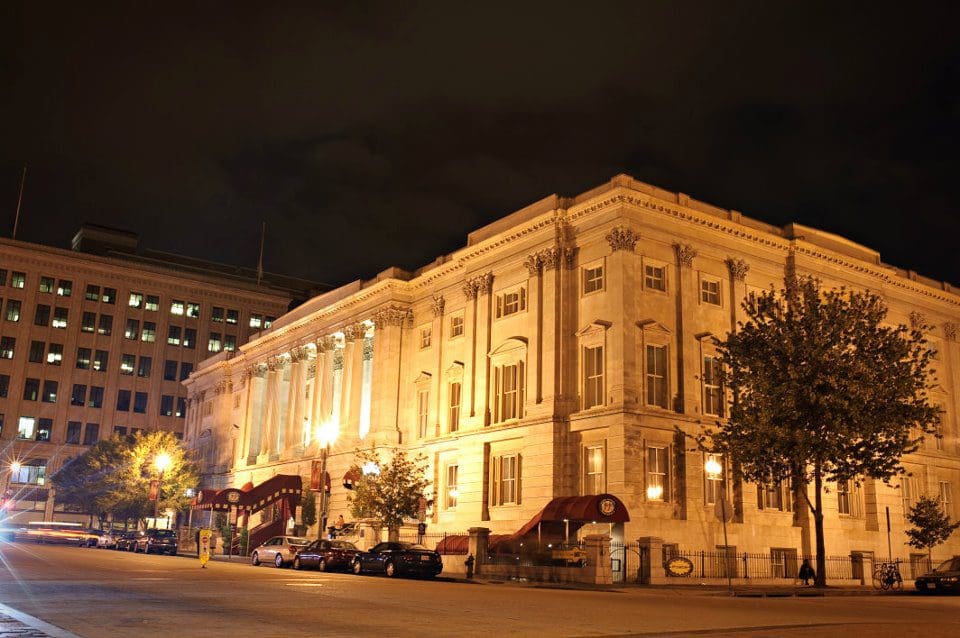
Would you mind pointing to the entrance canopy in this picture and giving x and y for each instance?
(570, 513)
(250, 498)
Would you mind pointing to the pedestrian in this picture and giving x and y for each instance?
(469, 565)
(806, 572)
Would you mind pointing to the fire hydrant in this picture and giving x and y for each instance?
(469, 565)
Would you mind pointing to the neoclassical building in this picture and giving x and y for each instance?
(555, 355)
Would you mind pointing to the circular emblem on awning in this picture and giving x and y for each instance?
(233, 497)
(607, 506)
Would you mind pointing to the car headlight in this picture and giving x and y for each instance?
(950, 579)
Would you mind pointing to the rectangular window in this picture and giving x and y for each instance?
(423, 412)
(105, 327)
(176, 307)
(41, 316)
(95, 399)
(78, 396)
(453, 490)
(18, 279)
(715, 486)
(181, 411)
(908, 493)
(843, 497)
(73, 433)
(166, 405)
(136, 300)
(101, 359)
(169, 370)
(27, 427)
(60, 317)
(64, 288)
(268, 321)
(153, 303)
(13, 310)
(93, 293)
(592, 377)
(127, 363)
(454, 413)
(189, 338)
(256, 321)
(55, 354)
(512, 302)
(91, 433)
(214, 344)
(592, 279)
(120, 431)
(185, 369)
(47, 284)
(193, 310)
(774, 496)
(712, 390)
(132, 331)
(89, 322)
(44, 426)
(217, 315)
(31, 389)
(83, 358)
(140, 402)
(173, 335)
(233, 316)
(8, 346)
(109, 295)
(37, 350)
(508, 387)
(230, 343)
(656, 374)
(49, 391)
(123, 400)
(946, 498)
(594, 472)
(655, 278)
(149, 333)
(658, 474)
(456, 326)
(4, 385)
(143, 369)
(426, 334)
(507, 483)
(3, 277)
(33, 473)
(710, 291)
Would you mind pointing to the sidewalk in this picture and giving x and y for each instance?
(16, 624)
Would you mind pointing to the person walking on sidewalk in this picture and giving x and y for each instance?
(806, 572)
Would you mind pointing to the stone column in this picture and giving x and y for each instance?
(687, 394)
(356, 380)
(535, 371)
(271, 411)
(436, 336)
(469, 403)
(598, 570)
(387, 344)
(291, 425)
(477, 545)
(242, 450)
(257, 415)
(351, 345)
(623, 384)
(652, 569)
(482, 361)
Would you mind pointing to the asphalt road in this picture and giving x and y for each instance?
(101, 593)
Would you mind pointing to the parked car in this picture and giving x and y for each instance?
(160, 541)
(944, 578)
(128, 540)
(398, 558)
(279, 550)
(326, 555)
(97, 538)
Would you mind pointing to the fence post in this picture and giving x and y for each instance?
(479, 540)
(746, 572)
(701, 564)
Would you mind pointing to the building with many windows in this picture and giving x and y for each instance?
(96, 341)
(556, 354)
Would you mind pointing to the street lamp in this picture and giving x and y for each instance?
(162, 462)
(7, 478)
(327, 433)
(718, 469)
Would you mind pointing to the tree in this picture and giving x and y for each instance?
(931, 526)
(114, 476)
(822, 390)
(308, 508)
(388, 492)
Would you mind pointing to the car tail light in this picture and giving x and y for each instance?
(294, 549)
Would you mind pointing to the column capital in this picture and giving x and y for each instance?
(393, 316)
(738, 268)
(437, 305)
(950, 331)
(685, 254)
(622, 238)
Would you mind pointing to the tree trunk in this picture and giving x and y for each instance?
(393, 533)
(820, 579)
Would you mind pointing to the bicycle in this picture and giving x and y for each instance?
(887, 576)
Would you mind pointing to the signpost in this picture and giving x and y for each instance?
(204, 552)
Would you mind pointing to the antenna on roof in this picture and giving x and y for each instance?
(263, 234)
(16, 219)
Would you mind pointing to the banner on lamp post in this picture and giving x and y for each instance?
(154, 489)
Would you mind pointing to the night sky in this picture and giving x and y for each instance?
(378, 134)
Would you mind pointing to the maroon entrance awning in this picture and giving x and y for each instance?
(252, 499)
(577, 511)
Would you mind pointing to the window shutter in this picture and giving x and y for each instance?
(517, 482)
(497, 394)
(523, 299)
(521, 383)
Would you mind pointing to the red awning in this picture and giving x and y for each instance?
(460, 543)
(253, 499)
(577, 511)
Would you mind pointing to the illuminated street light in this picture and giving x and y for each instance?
(162, 463)
(7, 479)
(326, 434)
(717, 470)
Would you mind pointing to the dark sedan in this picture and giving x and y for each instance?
(127, 542)
(945, 578)
(159, 541)
(398, 558)
(326, 555)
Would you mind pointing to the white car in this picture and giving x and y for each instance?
(279, 550)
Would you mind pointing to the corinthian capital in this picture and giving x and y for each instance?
(622, 238)
(738, 268)
(685, 254)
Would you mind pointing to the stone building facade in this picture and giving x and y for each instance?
(95, 342)
(555, 355)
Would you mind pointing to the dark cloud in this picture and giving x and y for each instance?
(377, 134)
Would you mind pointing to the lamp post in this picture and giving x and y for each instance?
(714, 470)
(7, 478)
(327, 433)
(161, 463)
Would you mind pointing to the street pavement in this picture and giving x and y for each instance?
(98, 593)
